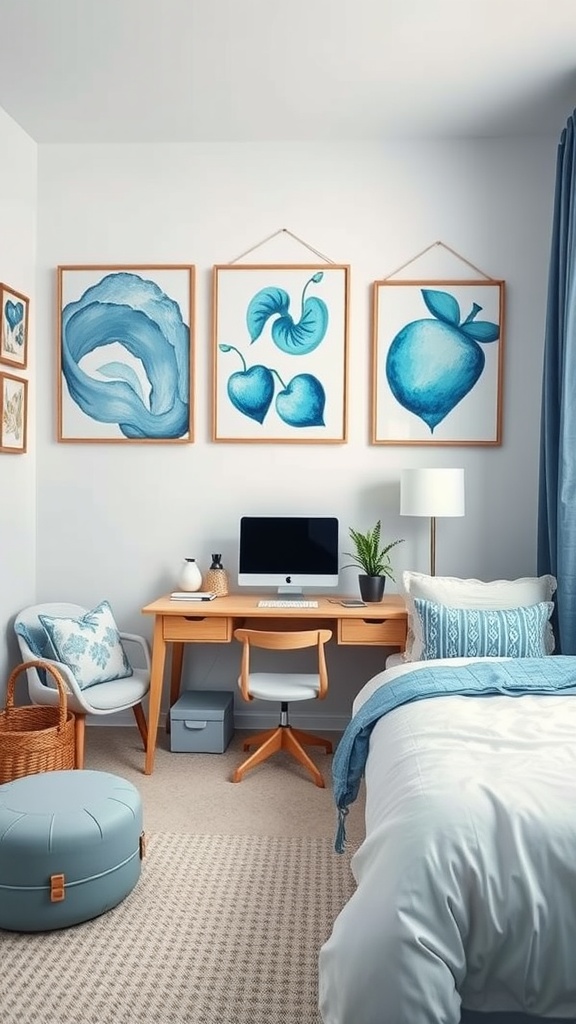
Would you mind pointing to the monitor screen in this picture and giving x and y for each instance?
(288, 552)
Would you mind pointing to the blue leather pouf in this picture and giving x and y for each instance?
(71, 844)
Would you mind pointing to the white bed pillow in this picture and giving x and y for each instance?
(471, 593)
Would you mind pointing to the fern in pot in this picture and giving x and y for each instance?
(373, 558)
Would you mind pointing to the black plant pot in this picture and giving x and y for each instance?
(371, 588)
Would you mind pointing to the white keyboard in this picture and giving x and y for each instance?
(287, 604)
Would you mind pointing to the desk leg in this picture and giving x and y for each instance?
(176, 673)
(155, 695)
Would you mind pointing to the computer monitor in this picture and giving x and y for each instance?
(288, 552)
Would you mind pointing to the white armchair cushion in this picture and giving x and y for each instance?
(90, 645)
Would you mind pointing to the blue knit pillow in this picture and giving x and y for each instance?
(90, 645)
(483, 633)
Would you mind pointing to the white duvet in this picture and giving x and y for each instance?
(466, 881)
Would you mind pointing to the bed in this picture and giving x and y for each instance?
(466, 880)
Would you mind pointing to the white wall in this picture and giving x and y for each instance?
(116, 520)
(18, 177)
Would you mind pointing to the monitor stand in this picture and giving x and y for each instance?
(290, 593)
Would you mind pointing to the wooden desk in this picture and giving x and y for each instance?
(213, 622)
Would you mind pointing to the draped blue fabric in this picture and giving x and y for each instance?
(557, 487)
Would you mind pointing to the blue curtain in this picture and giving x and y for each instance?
(557, 488)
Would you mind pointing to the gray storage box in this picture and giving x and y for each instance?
(202, 721)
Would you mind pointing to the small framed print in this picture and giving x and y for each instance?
(13, 327)
(13, 413)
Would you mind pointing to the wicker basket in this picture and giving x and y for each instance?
(35, 738)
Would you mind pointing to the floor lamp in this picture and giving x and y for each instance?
(432, 493)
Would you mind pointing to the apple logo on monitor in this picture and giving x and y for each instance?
(288, 579)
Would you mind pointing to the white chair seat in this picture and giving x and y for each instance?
(283, 686)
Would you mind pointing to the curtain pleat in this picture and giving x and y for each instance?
(557, 483)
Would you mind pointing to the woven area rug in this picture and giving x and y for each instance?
(219, 930)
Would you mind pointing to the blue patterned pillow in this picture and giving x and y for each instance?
(90, 646)
(483, 633)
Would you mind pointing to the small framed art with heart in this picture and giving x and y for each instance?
(13, 327)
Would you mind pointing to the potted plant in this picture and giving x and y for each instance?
(373, 559)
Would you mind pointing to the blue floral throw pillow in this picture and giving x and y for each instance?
(480, 633)
(90, 646)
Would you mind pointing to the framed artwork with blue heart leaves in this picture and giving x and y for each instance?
(280, 351)
(14, 327)
(125, 353)
(437, 362)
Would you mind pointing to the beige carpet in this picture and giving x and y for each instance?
(219, 930)
(193, 793)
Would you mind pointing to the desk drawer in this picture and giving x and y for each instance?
(202, 628)
(385, 632)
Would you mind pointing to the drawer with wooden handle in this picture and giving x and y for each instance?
(201, 628)
(373, 630)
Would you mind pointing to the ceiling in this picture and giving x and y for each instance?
(269, 70)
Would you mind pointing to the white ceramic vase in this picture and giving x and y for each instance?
(190, 578)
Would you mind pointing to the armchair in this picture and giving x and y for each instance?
(105, 698)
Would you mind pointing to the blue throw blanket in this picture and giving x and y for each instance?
(514, 678)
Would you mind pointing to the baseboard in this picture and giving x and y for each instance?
(313, 723)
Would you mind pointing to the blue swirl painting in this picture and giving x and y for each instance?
(143, 387)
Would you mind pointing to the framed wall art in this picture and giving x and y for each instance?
(437, 362)
(280, 350)
(13, 414)
(13, 327)
(125, 353)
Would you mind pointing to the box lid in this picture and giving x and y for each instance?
(208, 705)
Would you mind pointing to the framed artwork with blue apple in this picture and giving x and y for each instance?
(125, 353)
(437, 362)
(280, 353)
(13, 327)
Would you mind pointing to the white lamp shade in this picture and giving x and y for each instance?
(432, 492)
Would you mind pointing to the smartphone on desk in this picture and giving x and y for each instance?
(353, 603)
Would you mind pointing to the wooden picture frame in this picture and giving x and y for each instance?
(280, 353)
(125, 353)
(437, 362)
(13, 414)
(14, 308)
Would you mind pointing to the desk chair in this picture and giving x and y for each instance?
(284, 687)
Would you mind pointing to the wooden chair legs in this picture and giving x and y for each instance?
(141, 723)
(309, 739)
(79, 736)
(80, 733)
(282, 738)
